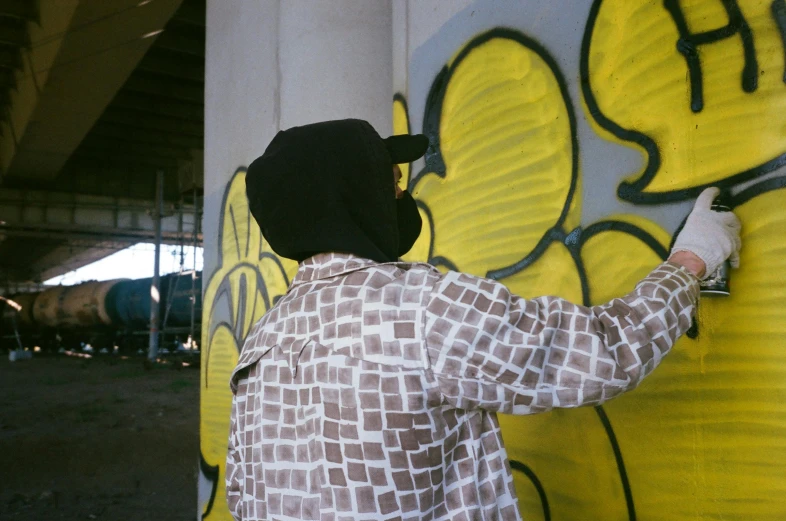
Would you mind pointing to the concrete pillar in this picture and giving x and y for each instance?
(335, 62)
(270, 65)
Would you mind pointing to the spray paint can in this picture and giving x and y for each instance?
(717, 284)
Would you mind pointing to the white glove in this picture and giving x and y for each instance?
(711, 236)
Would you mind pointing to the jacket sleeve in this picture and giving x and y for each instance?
(493, 350)
(234, 467)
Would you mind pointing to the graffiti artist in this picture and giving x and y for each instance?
(370, 390)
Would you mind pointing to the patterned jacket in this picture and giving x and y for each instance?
(370, 391)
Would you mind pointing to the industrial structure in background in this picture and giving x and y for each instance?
(101, 146)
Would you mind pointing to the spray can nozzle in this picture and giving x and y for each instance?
(717, 284)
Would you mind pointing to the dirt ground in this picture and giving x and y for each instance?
(97, 439)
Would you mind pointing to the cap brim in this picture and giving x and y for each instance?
(406, 148)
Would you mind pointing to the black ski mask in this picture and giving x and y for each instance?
(328, 187)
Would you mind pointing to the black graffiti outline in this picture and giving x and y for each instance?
(211, 472)
(574, 242)
(768, 185)
(615, 447)
(435, 164)
(399, 97)
(633, 191)
(778, 10)
(688, 43)
(518, 466)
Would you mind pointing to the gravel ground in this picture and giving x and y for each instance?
(97, 439)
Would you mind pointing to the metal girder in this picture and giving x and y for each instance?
(100, 158)
(110, 146)
(153, 84)
(154, 137)
(90, 218)
(176, 65)
(153, 122)
(178, 41)
(157, 105)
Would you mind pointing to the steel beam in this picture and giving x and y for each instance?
(153, 84)
(165, 63)
(193, 111)
(153, 122)
(91, 218)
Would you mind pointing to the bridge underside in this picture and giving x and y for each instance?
(97, 97)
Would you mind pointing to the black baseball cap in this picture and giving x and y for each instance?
(406, 148)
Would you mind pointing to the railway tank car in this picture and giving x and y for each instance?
(105, 314)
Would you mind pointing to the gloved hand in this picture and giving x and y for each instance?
(711, 236)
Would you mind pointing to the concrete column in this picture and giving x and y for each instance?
(270, 65)
(336, 62)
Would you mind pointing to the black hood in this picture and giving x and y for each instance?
(328, 187)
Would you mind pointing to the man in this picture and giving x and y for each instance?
(370, 390)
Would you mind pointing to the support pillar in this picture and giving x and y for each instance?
(155, 293)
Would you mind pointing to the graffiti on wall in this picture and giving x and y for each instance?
(699, 88)
(248, 281)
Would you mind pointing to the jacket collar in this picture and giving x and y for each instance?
(327, 265)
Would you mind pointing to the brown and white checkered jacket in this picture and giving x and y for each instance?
(370, 391)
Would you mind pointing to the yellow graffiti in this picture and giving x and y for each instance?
(506, 138)
(240, 291)
(503, 192)
(702, 437)
(642, 83)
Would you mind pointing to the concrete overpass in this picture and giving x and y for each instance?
(97, 97)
